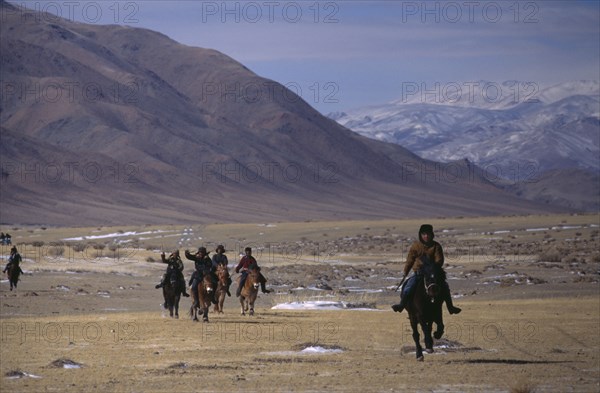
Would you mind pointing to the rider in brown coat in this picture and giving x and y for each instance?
(426, 246)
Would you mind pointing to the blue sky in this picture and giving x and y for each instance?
(344, 54)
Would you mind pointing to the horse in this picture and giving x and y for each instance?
(223, 275)
(250, 291)
(425, 307)
(203, 301)
(13, 273)
(172, 294)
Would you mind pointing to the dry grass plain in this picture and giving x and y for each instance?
(528, 287)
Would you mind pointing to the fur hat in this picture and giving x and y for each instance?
(426, 228)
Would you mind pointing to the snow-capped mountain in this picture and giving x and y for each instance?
(509, 135)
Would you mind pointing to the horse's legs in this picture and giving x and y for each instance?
(251, 308)
(193, 313)
(416, 338)
(219, 304)
(242, 304)
(205, 312)
(439, 322)
(427, 326)
(439, 332)
(177, 297)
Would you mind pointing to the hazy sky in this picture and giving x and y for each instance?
(344, 54)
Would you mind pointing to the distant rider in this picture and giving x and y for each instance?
(203, 265)
(13, 259)
(175, 266)
(246, 264)
(221, 259)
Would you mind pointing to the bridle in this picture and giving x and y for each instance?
(427, 287)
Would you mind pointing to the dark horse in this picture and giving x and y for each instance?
(425, 307)
(223, 275)
(250, 291)
(172, 294)
(13, 273)
(203, 301)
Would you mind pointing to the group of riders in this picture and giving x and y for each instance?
(206, 266)
(5, 239)
(425, 248)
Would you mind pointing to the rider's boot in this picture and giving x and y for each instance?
(263, 288)
(400, 306)
(448, 299)
(161, 284)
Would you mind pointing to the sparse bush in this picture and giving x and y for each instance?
(78, 247)
(37, 243)
(550, 256)
(523, 387)
(150, 259)
(56, 251)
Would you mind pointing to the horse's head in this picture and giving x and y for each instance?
(222, 273)
(253, 278)
(431, 277)
(208, 284)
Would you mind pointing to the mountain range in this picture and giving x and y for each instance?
(519, 140)
(107, 124)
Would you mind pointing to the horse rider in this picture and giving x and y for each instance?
(203, 265)
(246, 264)
(221, 259)
(175, 266)
(426, 246)
(14, 258)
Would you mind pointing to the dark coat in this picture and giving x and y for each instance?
(433, 250)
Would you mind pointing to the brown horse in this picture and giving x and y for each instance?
(223, 275)
(202, 303)
(250, 291)
(425, 307)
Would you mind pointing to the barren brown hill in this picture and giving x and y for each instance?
(113, 125)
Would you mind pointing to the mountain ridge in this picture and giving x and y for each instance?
(146, 130)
